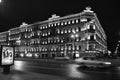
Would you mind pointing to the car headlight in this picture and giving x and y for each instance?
(107, 62)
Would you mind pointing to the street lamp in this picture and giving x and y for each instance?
(0, 1)
(75, 35)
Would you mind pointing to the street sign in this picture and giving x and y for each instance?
(6, 55)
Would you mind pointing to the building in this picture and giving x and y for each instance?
(74, 35)
(4, 38)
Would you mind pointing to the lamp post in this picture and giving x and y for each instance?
(0, 1)
(74, 36)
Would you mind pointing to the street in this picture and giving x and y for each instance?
(65, 71)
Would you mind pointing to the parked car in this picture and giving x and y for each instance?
(92, 62)
(22, 55)
(29, 55)
(62, 58)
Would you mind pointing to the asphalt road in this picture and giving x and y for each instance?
(68, 71)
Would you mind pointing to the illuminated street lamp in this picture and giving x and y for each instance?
(0, 1)
(75, 35)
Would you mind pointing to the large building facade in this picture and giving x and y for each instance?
(74, 35)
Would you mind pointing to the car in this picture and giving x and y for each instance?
(62, 58)
(92, 62)
(29, 55)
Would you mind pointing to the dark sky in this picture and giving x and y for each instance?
(14, 12)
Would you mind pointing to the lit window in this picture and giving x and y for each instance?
(77, 47)
(73, 30)
(58, 31)
(55, 24)
(43, 27)
(94, 27)
(58, 40)
(49, 25)
(46, 26)
(52, 49)
(73, 21)
(43, 34)
(62, 23)
(42, 49)
(65, 31)
(69, 22)
(48, 41)
(95, 37)
(69, 31)
(65, 23)
(61, 48)
(45, 49)
(52, 25)
(61, 32)
(69, 48)
(54, 41)
(77, 39)
(88, 37)
(45, 42)
(83, 19)
(88, 26)
(73, 48)
(76, 35)
(76, 20)
(38, 33)
(61, 41)
(42, 42)
(48, 33)
(58, 24)
(72, 36)
(77, 30)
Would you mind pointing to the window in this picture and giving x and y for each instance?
(69, 31)
(88, 19)
(77, 30)
(91, 47)
(69, 22)
(79, 47)
(91, 37)
(46, 26)
(58, 31)
(83, 19)
(49, 25)
(65, 31)
(76, 20)
(55, 24)
(65, 23)
(69, 48)
(58, 24)
(52, 25)
(73, 21)
(91, 26)
(61, 23)
(61, 32)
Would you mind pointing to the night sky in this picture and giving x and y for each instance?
(14, 12)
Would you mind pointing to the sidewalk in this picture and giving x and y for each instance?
(18, 75)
